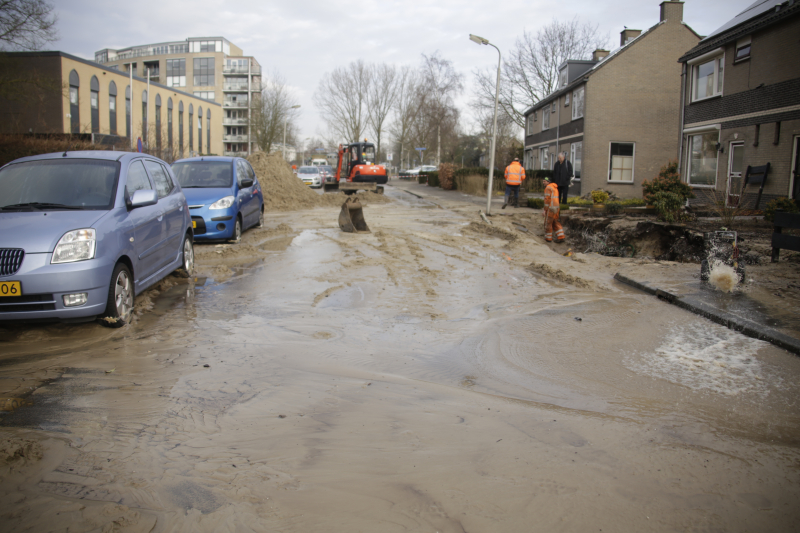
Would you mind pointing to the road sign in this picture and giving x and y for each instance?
(389, 156)
(420, 149)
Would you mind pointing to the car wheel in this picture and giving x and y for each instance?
(261, 219)
(187, 257)
(237, 231)
(119, 307)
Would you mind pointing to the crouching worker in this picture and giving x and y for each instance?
(552, 209)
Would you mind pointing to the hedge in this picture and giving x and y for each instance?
(431, 177)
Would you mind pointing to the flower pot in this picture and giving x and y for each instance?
(598, 207)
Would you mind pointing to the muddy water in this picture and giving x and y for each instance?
(416, 378)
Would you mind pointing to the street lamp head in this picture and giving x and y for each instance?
(478, 40)
(295, 106)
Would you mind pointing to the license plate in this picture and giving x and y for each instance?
(194, 224)
(10, 288)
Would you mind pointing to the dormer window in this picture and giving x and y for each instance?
(563, 77)
(742, 49)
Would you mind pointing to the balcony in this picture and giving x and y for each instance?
(236, 103)
(235, 87)
(234, 122)
(234, 138)
(235, 70)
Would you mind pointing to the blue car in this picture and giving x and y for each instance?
(82, 233)
(224, 196)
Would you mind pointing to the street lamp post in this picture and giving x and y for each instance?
(285, 120)
(481, 40)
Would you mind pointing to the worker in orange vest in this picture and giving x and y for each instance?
(514, 176)
(552, 209)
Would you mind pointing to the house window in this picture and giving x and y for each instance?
(94, 96)
(566, 100)
(708, 78)
(544, 158)
(205, 95)
(575, 155)
(73, 95)
(742, 49)
(530, 124)
(703, 159)
(534, 115)
(176, 73)
(546, 118)
(620, 162)
(553, 110)
(577, 103)
(204, 71)
(564, 77)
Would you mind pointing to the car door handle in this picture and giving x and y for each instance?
(161, 217)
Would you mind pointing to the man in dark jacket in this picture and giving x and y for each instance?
(562, 175)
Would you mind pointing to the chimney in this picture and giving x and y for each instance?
(672, 11)
(626, 34)
(599, 54)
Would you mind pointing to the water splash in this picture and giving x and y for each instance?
(723, 277)
(706, 357)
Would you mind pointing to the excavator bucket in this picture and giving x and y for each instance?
(351, 217)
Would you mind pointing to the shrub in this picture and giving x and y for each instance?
(668, 180)
(668, 205)
(599, 197)
(471, 171)
(577, 201)
(632, 202)
(422, 178)
(433, 178)
(536, 203)
(779, 204)
(613, 208)
(446, 171)
(563, 207)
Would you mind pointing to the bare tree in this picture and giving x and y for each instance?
(531, 71)
(26, 24)
(442, 84)
(342, 98)
(409, 102)
(271, 110)
(380, 98)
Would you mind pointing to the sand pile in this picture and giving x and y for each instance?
(283, 191)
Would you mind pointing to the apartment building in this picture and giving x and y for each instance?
(741, 106)
(617, 115)
(211, 68)
(65, 94)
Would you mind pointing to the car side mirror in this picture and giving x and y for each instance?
(144, 197)
(246, 183)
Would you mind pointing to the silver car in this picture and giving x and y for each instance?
(84, 232)
(311, 176)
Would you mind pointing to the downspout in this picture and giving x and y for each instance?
(558, 127)
(680, 124)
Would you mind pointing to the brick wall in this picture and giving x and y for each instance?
(635, 97)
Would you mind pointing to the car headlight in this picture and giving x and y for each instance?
(75, 245)
(223, 203)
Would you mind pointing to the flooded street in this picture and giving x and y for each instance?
(434, 375)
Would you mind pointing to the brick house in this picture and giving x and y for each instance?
(616, 116)
(741, 105)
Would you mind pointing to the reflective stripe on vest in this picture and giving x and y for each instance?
(515, 176)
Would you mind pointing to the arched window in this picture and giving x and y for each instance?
(74, 110)
(158, 125)
(112, 108)
(170, 147)
(191, 129)
(208, 131)
(180, 128)
(128, 131)
(94, 101)
(200, 129)
(144, 116)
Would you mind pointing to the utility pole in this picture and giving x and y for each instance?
(438, 144)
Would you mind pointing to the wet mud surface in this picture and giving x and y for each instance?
(434, 375)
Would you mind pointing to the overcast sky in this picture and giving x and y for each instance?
(305, 39)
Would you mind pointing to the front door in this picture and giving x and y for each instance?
(735, 178)
(796, 170)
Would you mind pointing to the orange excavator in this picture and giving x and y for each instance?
(356, 169)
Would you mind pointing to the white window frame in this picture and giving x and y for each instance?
(633, 164)
(689, 134)
(529, 123)
(566, 99)
(573, 159)
(715, 56)
(544, 158)
(576, 109)
(546, 123)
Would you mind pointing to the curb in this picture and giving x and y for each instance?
(736, 323)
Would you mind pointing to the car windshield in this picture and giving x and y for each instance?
(368, 154)
(309, 170)
(326, 168)
(59, 184)
(204, 174)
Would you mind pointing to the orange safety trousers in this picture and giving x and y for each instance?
(551, 224)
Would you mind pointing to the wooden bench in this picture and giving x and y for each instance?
(779, 240)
